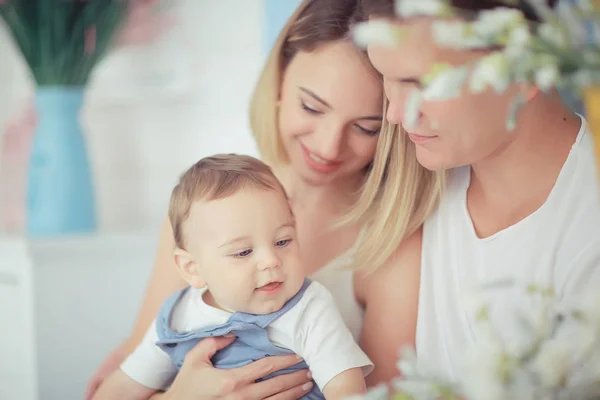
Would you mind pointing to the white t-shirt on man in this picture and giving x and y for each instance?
(313, 329)
(557, 247)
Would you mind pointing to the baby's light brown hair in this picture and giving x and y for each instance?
(216, 177)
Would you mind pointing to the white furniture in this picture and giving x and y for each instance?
(64, 304)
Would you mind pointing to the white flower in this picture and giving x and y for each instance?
(541, 9)
(519, 39)
(585, 5)
(410, 366)
(457, 35)
(513, 111)
(445, 83)
(491, 70)
(547, 76)
(484, 371)
(554, 35)
(379, 392)
(552, 363)
(421, 390)
(591, 57)
(495, 25)
(429, 8)
(570, 21)
(377, 32)
(585, 77)
(412, 108)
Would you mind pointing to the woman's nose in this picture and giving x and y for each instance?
(329, 143)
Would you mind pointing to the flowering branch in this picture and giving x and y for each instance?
(560, 51)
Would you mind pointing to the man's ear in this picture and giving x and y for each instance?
(188, 268)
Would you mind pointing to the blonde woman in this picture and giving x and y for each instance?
(316, 115)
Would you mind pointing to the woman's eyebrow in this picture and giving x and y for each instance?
(326, 104)
(314, 96)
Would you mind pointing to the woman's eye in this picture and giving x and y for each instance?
(282, 243)
(243, 254)
(309, 110)
(368, 132)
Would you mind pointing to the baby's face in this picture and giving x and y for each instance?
(246, 249)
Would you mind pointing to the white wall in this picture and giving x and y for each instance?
(151, 111)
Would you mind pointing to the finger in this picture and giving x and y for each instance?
(265, 366)
(293, 393)
(277, 384)
(206, 348)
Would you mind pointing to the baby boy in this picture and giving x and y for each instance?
(236, 246)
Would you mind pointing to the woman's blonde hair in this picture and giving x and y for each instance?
(396, 199)
(313, 24)
(399, 194)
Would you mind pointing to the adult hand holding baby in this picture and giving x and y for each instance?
(198, 379)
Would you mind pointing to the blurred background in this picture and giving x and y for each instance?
(174, 87)
(158, 101)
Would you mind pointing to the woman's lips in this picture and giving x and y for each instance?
(317, 163)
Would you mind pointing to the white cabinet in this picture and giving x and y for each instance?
(18, 378)
(64, 304)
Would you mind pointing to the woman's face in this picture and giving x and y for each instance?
(448, 133)
(330, 113)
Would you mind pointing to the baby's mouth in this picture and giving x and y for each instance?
(270, 287)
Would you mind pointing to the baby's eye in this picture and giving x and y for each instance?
(243, 254)
(283, 243)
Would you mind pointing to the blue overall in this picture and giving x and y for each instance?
(252, 341)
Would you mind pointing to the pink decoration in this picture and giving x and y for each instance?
(144, 24)
(90, 40)
(16, 149)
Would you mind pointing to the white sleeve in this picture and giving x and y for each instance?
(323, 340)
(148, 364)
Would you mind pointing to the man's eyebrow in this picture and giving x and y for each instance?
(410, 80)
(314, 96)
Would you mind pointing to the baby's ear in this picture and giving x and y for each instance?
(188, 268)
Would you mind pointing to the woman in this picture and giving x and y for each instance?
(316, 115)
(522, 206)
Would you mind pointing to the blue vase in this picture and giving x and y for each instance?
(60, 198)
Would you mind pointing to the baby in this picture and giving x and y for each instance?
(236, 247)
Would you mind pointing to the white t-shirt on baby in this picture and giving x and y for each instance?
(313, 329)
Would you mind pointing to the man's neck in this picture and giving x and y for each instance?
(518, 179)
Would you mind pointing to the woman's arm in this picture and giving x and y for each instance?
(165, 280)
(197, 371)
(391, 297)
